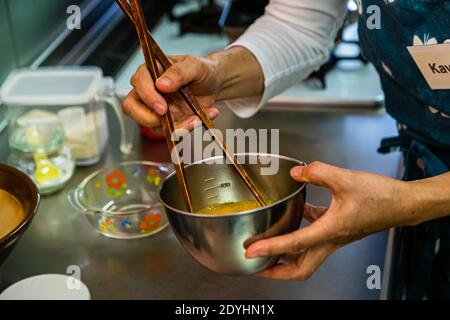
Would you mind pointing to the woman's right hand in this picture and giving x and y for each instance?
(145, 104)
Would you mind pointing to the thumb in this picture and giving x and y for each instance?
(180, 74)
(318, 173)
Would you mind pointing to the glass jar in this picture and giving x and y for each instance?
(39, 151)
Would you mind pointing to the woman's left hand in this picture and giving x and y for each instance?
(361, 204)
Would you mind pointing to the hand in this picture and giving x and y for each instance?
(361, 204)
(145, 104)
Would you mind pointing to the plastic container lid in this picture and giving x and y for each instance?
(51, 86)
(47, 287)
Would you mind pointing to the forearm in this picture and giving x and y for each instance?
(430, 198)
(239, 72)
(289, 42)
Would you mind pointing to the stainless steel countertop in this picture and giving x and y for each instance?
(158, 268)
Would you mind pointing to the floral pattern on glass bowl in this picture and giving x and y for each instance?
(121, 201)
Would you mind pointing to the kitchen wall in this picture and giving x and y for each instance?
(8, 59)
(27, 27)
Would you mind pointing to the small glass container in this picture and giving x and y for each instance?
(121, 201)
(39, 151)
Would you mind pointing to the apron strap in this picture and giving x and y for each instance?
(423, 271)
(414, 152)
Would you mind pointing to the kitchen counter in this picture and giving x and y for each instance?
(157, 267)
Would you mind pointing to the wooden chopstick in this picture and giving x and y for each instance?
(166, 120)
(189, 98)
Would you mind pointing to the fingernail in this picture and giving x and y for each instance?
(252, 254)
(297, 171)
(159, 108)
(165, 82)
(213, 113)
(253, 251)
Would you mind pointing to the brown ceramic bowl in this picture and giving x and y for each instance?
(23, 188)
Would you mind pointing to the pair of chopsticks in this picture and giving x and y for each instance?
(153, 54)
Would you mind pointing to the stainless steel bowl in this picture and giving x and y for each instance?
(219, 242)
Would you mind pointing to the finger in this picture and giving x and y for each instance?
(296, 241)
(276, 229)
(304, 267)
(143, 84)
(187, 125)
(141, 113)
(318, 173)
(312, 213)
(192, 122)
(212, 113)
(181, 73)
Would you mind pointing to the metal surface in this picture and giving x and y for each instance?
(159, 268)
(219, 242)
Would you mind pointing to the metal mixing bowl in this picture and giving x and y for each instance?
(219, 242)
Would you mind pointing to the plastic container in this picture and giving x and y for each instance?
(73, 97)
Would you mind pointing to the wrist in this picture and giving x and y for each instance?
(411, 201)
(221, 71)
(238, 72)
(431, 198)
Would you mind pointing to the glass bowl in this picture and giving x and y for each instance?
(121, 201)
(44, 148)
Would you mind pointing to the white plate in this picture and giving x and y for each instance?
(47, 287)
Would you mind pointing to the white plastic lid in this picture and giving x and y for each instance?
(51, 86)
(47, 287)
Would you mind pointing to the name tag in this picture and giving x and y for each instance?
(434, 63)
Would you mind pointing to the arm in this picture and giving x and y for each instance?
(283, 47)
(361, 204)
(431, 198)
(290, 41)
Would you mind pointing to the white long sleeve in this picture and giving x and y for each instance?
(290, 41)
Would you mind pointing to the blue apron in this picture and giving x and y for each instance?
(423, 117)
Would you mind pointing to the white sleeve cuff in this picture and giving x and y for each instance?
(292, 40)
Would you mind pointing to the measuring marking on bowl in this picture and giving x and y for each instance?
(211, 188)
(222, 185)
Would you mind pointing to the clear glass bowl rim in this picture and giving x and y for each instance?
(89, 178)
